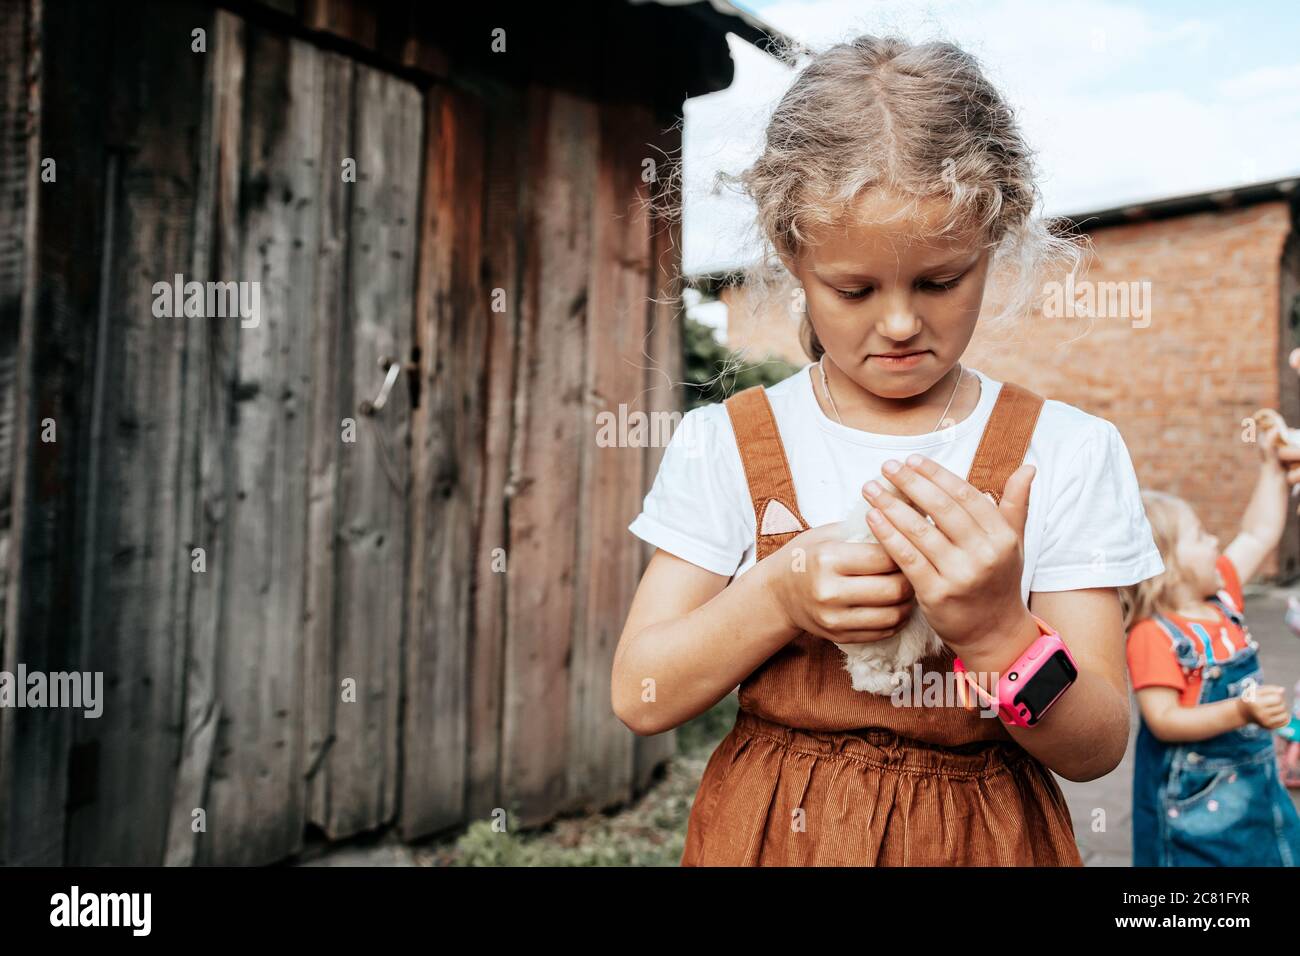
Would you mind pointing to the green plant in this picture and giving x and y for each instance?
(714, 373)
(699, 737)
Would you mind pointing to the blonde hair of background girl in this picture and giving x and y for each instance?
(1156, 595)
(922, 120)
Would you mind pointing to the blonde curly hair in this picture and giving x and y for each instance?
(1156, 595)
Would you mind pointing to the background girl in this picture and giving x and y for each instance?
(1206, 790)
(893, 183)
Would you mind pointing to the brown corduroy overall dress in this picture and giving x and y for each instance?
(815, 773)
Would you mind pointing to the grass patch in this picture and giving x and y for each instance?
(649, 832)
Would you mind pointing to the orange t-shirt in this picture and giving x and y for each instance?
(1151, 660)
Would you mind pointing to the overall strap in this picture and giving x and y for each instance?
(1001, 451)
(1172, 631)
(1183, 647)
(1223, 601)
(1206, 639)
(1225, 604)
(771, 486)
(1006, 439)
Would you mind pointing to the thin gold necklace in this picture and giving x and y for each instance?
(821, 364)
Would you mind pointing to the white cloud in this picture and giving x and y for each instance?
(1120, 103)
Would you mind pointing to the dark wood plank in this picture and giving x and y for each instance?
(601, 761)
(663, 360)
(453, 326)
(329, 407)
(507, 171)
(35, 521)
(550, 431)
(363, 764)
(137, 568)
(255, 801)
(17, 167)
(205, 482)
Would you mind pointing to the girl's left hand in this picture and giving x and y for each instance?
(965, 568)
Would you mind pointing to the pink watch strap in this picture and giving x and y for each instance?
(987, 699)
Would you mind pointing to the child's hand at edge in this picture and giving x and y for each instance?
(1270, 436)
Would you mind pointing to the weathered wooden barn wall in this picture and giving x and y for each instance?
(19, 142)
(464, 561)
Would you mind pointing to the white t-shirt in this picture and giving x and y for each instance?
(1086, 525)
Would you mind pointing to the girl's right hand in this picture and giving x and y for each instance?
(1268, 708)
(846, 592)
(1271, 434)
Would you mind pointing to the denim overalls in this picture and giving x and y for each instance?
(1216, 802)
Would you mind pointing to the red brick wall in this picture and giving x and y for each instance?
(1178, 389)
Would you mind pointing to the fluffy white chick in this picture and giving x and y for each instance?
(882, 667)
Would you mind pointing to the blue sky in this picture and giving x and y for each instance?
(1122, 101)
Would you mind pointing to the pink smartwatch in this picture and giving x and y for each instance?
(1032, 684)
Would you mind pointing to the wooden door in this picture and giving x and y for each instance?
(241, 523)
(308, 664)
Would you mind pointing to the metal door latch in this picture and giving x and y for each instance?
(392, 369)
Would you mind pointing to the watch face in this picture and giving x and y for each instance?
(1056, 674)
